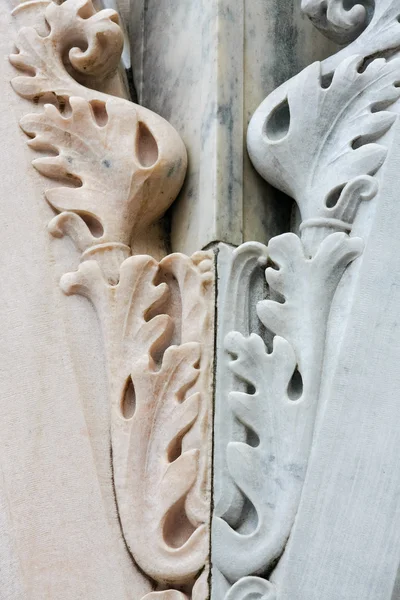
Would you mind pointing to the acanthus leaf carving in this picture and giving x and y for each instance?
(257, 470)
(73, 25)
(194, 277)
(155, 404)
(322, 138)
(279, 411)
(119, 167)
(159, 475)
(305, 287)
(237, 269)
(115, 183)
(339, 126)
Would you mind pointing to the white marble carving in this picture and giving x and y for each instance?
(118, 168)
(322, 138)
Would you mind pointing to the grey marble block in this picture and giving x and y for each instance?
(205, 67)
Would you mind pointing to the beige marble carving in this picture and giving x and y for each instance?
(118, 167)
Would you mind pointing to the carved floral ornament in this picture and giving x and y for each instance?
(118, 167)
(321, 138)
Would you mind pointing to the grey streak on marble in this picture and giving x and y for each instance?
(205, 68)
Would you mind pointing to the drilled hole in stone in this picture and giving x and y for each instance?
(250, 389)
(177, 527)
(278, 123)
(146, 146)
(295, 387)
(94, 225)
(252, 438)
(333, 197)
(326, 80)
(128, 404)
(99, 112)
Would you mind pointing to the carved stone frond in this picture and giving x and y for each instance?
(237, 269)
(304, 288)
(121, 165)
(269, 474)
(92, 41)
(153, 481)
(118, 168)
(274, 397)
(159, 395)
(194, 277)
(315, 142)
(125, 172)
(375, 23)
(338, 23)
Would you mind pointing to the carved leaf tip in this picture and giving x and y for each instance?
(73, 24)
(305, 286)
(250, 588)
(339, 23)
(162, 472)
(342, 125)
(268, 413)
(100, 163)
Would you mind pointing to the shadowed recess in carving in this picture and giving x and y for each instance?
(99, 111)
(326, 80)
(333, 197)
(295, 387)
(128, 404)
(93, 224)
(278, 123)
(177, 528)
(146, 146)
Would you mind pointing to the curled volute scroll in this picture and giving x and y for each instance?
(321, 138)
(118, 167)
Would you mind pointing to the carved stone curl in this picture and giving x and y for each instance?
(119, 167)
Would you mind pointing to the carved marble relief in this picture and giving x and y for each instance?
(117, 167)
(322, 138)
